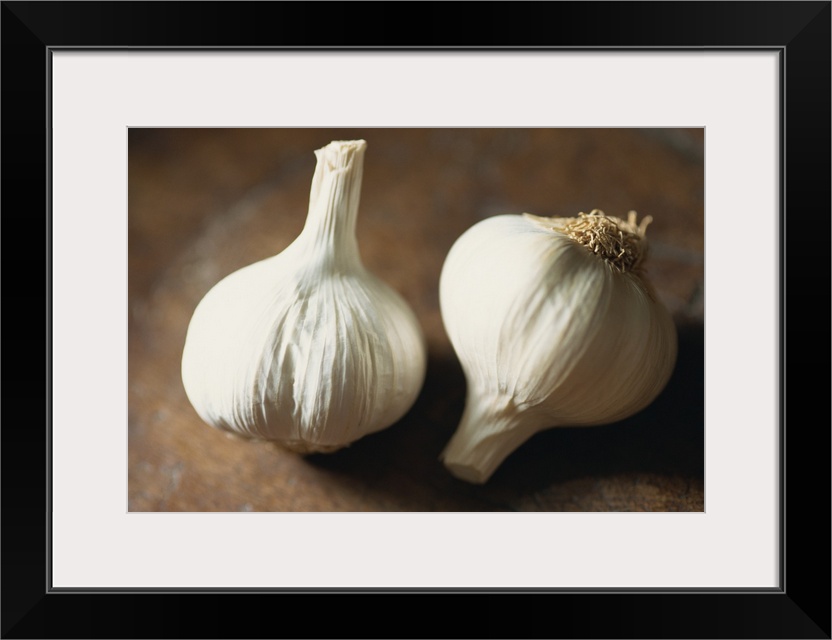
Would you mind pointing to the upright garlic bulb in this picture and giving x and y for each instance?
(307, 348)
(554, 325)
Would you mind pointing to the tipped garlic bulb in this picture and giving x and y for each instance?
(307, 348)
(554, 325)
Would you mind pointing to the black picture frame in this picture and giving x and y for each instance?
(798, 31)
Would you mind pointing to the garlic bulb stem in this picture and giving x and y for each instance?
(485, 437)
(333, 204)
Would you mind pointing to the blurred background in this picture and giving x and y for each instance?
(204, 202)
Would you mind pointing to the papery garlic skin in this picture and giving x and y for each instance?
(307, 348)
(548, 333)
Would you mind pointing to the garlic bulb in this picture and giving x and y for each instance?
(307, 348)
(554, 325)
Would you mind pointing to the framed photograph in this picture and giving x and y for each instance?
(163, 146)
(418, 189)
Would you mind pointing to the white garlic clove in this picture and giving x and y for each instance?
(554, 325)
(307, 348)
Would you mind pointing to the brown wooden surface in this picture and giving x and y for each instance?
(205, 202)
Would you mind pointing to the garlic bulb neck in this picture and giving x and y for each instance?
(329, 231)
(620, 242)
(486, 435)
